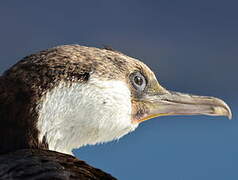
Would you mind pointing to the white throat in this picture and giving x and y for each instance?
(71, 116)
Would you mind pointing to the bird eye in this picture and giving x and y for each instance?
(138, 81)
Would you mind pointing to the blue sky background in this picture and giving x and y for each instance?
(191, 45)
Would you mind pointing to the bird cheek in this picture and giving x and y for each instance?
(139, 112)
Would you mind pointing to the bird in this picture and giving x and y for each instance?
(70, 96)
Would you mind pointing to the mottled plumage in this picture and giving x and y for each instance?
(37, 74)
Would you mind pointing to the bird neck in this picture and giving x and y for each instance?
(78, 114)
(18, 116)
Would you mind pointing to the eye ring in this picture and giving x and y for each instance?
(138, 81)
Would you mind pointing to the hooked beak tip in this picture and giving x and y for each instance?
(223, 110)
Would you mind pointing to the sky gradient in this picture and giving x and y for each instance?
(192, 46)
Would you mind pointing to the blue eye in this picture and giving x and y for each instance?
(138, 81)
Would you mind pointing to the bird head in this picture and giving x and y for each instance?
(85, 95)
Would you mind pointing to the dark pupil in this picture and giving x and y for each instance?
(138, 80)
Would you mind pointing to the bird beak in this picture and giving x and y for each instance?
(174, 103)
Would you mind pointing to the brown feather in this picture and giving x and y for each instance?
(36, 164)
